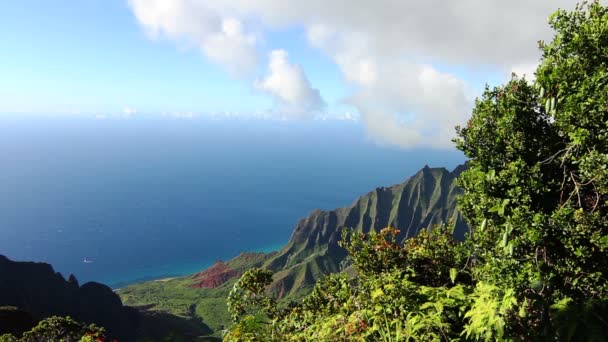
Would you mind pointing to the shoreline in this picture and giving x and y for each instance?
(186, 271)
(162, 280)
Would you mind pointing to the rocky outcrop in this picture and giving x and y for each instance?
(214, 276)
(221, 272)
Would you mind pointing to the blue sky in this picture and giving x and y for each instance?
(385, 66)
(92, 56)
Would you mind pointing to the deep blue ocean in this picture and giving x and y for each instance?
(149, 198)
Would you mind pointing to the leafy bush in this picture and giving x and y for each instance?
(59, 329)
(536, 189)
(385, 301)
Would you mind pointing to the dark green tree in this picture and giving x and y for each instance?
(59, 329)
(536, 190)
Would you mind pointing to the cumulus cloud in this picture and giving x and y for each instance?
(290, 88)
(394, 54)
(465, 31)
(220, 37)
(414, 105)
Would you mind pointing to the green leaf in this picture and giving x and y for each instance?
(537, 284)
(505, 235)
(505, 240)
(377, 293)
(453, 275)
(562, 304)
(484, 223)
(522, 311)
(491, 175)
(495, 208)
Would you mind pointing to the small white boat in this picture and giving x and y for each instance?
(87, 261)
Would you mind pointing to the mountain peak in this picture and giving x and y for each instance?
(426, 199)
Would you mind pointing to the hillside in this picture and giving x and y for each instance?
(201, 295)
(32, 291)
(37, 289)
(421, 201)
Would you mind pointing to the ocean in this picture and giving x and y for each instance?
(125, 200)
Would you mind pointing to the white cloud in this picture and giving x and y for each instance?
(393, 53)
(414, 105)
(232, 47)
(465, 31)
(347, 116)
(220, 37)
(290, 88)
(526, 70)
(318, 35)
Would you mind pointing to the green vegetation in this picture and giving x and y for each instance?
(59, 329)
(537, 184)
(177, 297)
(536, 190)
(388, 300)
(34, 293)
(184, 297)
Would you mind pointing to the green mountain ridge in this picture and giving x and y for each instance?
(420, 202)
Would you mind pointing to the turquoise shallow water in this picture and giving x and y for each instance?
(145, 199)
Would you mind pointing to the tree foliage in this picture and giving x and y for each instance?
(59, 329)
(388, 300)
(536, 189)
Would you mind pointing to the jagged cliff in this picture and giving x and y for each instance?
(221, 272)
(423, 200)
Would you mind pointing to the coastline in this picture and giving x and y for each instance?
(185, 269)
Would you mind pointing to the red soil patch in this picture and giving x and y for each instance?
(214, 276)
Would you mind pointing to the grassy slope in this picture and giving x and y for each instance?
(178, 297)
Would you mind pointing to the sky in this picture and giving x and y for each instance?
(408, 71)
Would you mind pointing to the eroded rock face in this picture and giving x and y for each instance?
(221, 272)
(214, 276)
